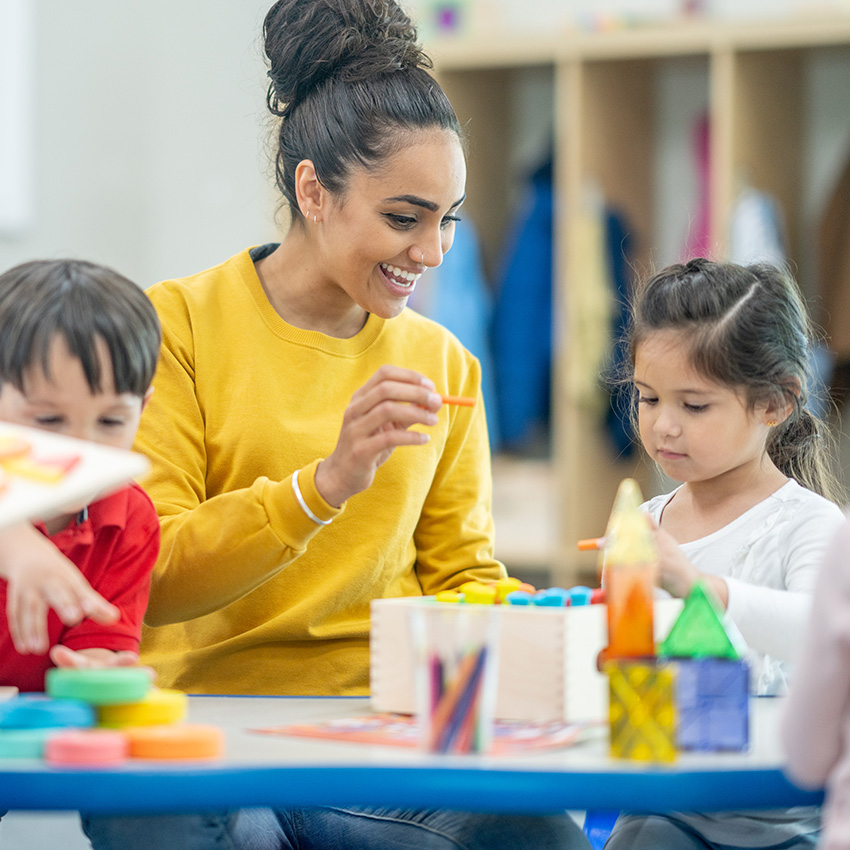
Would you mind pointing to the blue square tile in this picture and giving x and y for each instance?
(712, 697)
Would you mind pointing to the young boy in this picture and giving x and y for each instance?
(79, 345)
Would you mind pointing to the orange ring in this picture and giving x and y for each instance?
(181, 741)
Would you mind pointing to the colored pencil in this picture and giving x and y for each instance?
(445, 709)
(462, 717)
(460, 400)
(468, 733)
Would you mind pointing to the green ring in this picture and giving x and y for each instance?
(102, 686)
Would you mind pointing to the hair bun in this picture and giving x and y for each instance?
(308, 42)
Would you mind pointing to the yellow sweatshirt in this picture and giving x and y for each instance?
(249, 594)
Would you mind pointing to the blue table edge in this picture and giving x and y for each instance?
(476, 787)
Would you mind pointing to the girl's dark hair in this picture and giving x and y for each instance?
(348, 79)
(83, 302)
(747, 328)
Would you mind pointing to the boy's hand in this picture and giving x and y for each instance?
(90, 659)
(40, 577)
(83, 659)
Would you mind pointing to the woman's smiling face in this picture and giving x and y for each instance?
(394, 221)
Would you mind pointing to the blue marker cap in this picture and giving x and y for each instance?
(519, 597)
(580, 595)
(553, 597)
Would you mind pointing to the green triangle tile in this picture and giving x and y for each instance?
(702, 630)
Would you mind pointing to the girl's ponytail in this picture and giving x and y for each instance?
(803, 448)
(747, 327)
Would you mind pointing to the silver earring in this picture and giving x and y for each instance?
(315, 220)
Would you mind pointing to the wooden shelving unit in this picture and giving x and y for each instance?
(604, 94)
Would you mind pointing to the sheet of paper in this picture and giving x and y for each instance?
(75, 472)
(402, 730)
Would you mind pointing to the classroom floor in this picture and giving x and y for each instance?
(42, 831)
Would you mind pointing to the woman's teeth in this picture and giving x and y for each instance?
(400, 276)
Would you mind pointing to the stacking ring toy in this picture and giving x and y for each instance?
(23, 743)
(157, 708)
(101, 686)
(88, 746)
(182, 741)
(36, 711)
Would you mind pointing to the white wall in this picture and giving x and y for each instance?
(149, 135)
(528, 16)
(150, 128)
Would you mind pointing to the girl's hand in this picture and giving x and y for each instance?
(375, 423)
(39, 577)
(676, 574)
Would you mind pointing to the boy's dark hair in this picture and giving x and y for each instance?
(81, 301)
(747, 328)
(349, 81)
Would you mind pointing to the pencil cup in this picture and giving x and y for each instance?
(455, 647)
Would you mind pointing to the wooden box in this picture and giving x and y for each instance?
(547, 659)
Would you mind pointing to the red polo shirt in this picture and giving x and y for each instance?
(115, 548)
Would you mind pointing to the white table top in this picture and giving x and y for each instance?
(282, 771)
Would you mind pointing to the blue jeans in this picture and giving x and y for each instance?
(331, 828)
(649, 832)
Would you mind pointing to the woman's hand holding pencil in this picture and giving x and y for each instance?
(381, 417)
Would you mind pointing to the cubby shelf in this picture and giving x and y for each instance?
(604, 97)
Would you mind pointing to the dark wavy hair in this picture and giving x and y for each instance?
(747, 328)
(82, 302)
(347, 81)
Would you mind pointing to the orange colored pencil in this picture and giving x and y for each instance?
(590, 544)
(461, 400)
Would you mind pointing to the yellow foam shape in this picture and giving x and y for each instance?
(449, 596)
(159, 707)
(504, 586)
(481, 594)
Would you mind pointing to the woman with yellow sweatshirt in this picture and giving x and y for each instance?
(303, 460)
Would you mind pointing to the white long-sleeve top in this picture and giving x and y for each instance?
(816, 727)
(770, 557)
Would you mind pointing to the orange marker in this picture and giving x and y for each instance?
(460, 400)
(590, 544)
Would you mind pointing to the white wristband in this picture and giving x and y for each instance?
(297, 490)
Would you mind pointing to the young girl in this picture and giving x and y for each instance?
(720, 357)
